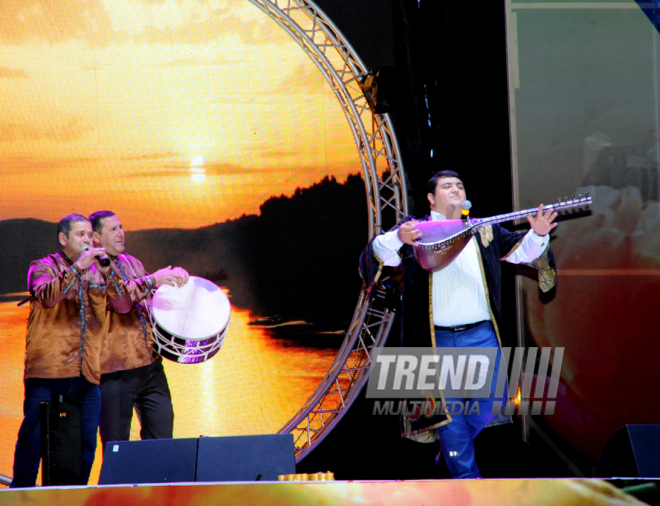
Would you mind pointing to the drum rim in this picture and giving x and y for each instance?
(191, 359)
(157, 333)
(183, 354)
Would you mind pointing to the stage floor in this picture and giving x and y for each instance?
(389, 493)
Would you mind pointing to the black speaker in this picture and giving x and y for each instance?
(245, 458)
(149, 461)
(61, 443)
(634, 451)
(236, 458)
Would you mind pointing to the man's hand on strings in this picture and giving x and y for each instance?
(542, 222)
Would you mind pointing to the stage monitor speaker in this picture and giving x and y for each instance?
(245, 458)
(61, 443)
(634, 451)
(149, 461)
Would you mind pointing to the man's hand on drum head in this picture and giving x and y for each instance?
(408, 234)
(182, 275)
(168, 276)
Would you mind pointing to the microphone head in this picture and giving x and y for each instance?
(467, 205)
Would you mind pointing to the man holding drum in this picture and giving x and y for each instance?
(133, 375)
(70, 292)
(458, 305)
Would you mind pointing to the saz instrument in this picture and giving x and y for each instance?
(443, 240)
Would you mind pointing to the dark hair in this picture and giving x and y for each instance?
(433, 182)
(97, 217)
(64, 226)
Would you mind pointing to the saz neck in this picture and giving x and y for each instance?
(558, 207)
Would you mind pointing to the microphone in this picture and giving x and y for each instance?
(103, 261)
(467, 205)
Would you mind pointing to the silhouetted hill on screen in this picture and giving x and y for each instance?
(22, 242)
(298, 259)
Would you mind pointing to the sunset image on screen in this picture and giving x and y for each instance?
(213, 137)
(161, 106)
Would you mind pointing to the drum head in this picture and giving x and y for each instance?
(197, 311)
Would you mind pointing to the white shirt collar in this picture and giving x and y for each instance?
(436, 216)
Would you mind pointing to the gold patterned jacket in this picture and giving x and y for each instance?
(128, 343)
(67, 318)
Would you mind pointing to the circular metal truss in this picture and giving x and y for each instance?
(386, 190)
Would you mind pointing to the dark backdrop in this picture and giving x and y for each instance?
(451, 113)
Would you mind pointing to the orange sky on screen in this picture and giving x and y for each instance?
(171, 114)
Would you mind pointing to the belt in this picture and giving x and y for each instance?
(460, 328)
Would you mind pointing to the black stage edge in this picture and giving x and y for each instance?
(646, 490)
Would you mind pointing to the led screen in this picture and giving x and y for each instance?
(221, 148)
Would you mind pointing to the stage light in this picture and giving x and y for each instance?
(379, 88)
(518, 398)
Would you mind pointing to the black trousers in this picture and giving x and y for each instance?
(144, 389)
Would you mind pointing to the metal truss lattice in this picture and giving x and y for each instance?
(386, 190)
